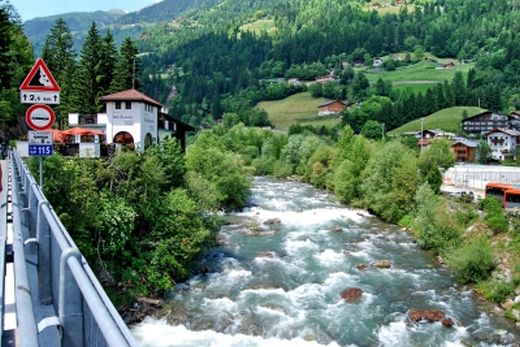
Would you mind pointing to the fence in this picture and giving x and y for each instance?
(54, 284)
(477, 176)
(3, 243)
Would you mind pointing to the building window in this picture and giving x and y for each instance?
(118, 105)
(128, 105)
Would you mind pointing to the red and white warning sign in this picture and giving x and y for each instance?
(39, 86)
(40, 79)
(40, 117)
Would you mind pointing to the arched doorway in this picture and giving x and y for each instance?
(148, 140)
(124, 139)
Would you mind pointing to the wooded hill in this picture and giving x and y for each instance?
(203, 53)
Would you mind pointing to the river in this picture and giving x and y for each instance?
(279, 284)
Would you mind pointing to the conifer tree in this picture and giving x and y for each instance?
(88, 83)
(107, 63)
(459, 89)
(60, 58)
(127, 73)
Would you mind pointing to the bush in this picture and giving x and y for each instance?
(496, 291)
(473, 261)
(495, 218)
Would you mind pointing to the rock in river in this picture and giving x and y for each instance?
(273, 221)
(430, 316)
(382, 264)
(351, 294)
(361, 267)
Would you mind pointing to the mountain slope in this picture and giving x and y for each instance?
(166, 10)
(447, 119)
(37, 29)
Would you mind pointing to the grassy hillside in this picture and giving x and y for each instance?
(447, 119)
(419, 77)
(300, 107)
(259, 26)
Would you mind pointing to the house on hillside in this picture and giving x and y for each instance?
(325, 79)
(503, 143)
(487, 121)
(448, 66)
(294, 82)
(134, 120)
(332, 107)
(464, 150)
(378, 63)
(430, 134)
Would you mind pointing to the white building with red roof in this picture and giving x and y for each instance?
(132, 118)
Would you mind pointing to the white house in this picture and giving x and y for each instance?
(503, 143)
(378, 62)
(132, 119)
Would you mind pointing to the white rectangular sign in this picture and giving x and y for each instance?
(39, 138)
(30, 97)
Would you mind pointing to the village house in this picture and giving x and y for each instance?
(448, 66)
(430, 134)
(325, 79)
(503, 143)
(134, 120)
(378, 63)
(487, 121)
(332, 107)
(464, 150)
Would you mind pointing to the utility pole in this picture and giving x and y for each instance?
(382, 131)
(133, 73)
(422, 127)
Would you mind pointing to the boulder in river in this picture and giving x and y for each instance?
(351, 294)
(447, 322)
(382, 264)
(273, 221)
(361, 267)
(415, 315)
(336, 228)
(266, 254)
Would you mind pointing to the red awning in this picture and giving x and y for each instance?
(57, 135)
(82, 131)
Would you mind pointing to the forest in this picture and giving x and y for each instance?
(216, 67)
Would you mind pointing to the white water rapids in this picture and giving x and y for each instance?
(273, 284)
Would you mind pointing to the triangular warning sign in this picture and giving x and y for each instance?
(40, 79)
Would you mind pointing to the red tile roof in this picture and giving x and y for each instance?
(130, 95)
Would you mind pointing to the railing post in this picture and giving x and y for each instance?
(43, 235)
(70, 303)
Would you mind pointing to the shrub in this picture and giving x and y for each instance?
(496, 291)
(495, 217)
(473, 261)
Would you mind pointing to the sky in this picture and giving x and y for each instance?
(29, 9)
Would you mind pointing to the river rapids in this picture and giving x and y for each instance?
(278, 277)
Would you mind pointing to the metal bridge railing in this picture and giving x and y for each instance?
(66, 296)
(3, 243)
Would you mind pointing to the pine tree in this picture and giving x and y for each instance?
(88, 82)
(107, 63)
(5, 42)
(16, 58)
(60, 58)
(459, 89)
(128, 67)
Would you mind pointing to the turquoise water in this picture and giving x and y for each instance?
(280, 284)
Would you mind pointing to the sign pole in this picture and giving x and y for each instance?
(41, 172)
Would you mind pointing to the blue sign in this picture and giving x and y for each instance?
(40, 150)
